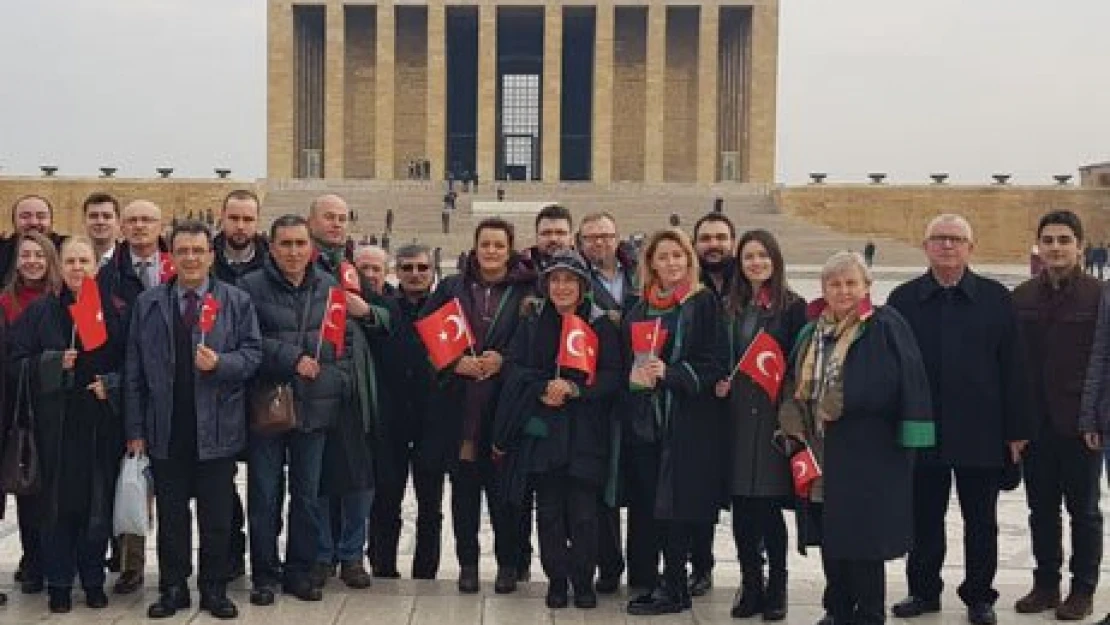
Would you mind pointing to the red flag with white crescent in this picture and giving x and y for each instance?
(644, 337)
(88, 316)
(446, 334)
(166, 269)
(334, 329)
(765, 364)
(805, 468)
(348, 277)
(208, 311)
(578, 347)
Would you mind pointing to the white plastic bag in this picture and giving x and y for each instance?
(131, 515)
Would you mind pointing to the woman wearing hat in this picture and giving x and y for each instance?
(673, 425)
(552, 426)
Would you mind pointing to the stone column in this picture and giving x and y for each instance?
(335, 90)
(487, 91)
(708, 30)
(759, 150)
(280, 98)
(385, 75)
(605, 24)
(552, 91)
(436, 142)
(656, 91)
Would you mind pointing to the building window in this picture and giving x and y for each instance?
(520, 123)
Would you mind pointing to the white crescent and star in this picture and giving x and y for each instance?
(350, 278)
(456, 321)
(800, 469)
(761, 363)
(572, 336)
(331, 314)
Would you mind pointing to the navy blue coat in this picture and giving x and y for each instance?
(221, 395)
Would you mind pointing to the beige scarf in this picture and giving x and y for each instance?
(821, 378)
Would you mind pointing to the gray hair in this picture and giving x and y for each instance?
(412, 250)
(371, 249)
(842, 262)
(950, 218)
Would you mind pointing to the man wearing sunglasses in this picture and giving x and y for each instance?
(1057, 311)
(405, 387)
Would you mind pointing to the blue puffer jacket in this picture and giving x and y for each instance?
(221, 396)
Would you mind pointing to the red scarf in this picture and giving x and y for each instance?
(660, 299)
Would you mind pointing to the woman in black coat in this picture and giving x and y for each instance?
(491, 289)
(78, 429)
(553, 425)
(673, 423)
(759, 471)
(859, 399)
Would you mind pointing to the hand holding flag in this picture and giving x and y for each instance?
(446, 334)
(803, 465)
(88, 316)
(334, 326)
(578, 347)
(764, 363)
(209, 308)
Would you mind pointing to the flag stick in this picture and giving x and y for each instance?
(319, 343)
(73, 337)
(735, 369)
(655, 334)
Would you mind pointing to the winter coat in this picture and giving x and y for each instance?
(1094, 411)
(681, 416)
(117, 278)
(439, 448)
(220, 395)
(290, 317)
(1058, 325)
(572, 439)
(969, 341)
(757, 467)
(79, 437)
(866, 455)
(230, 272)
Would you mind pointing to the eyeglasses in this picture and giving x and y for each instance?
(594, 238)
(415, 267)
(947, 239)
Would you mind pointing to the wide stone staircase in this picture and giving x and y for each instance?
(639, 208)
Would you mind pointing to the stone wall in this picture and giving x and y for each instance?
(1004, 217)
(681, 112)
(629, 92)
(175, 197)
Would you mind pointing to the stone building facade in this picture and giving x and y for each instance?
(655, 91)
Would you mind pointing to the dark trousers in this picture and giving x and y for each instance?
(757, 527)
(977, 489)
(385, 515)
(238, 526)
(1062, 469)
(30, 538)
(610, 554)
(567, 516)
(468, 481)
(644, 540)
(212, 483)
(855, 591)
(701, 549)
(525, 516)
(677, 539)
(68, 547)
(265, 495)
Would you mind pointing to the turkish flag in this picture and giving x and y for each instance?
(644, 339)
(804, 466)
(88, 316)
(334, 329)
(348, 277)
(166, 268)
(578, 347)
(764, 363)
(446, 334)
(208, 311)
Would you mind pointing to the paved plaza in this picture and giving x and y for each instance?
(409, 602)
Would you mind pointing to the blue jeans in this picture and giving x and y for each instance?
(265, 494)
(353, 510)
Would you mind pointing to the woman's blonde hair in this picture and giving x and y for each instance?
(678, 237)
(53, 276)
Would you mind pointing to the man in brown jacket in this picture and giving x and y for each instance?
(1057, 311)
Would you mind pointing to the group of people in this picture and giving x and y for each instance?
(678, 384)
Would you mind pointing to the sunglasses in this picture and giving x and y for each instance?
(415, 267)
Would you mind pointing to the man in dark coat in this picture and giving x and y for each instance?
(291, 294)
(139, 263)
(29, 213)
(715, 244)
(967, 331)
(185, 404)
(406, 384)
(613, 289)
(1057, 311)
(240, 248)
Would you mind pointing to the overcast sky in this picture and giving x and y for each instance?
(903, 86)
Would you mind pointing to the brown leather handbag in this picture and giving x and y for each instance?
(272, 405)
(20, 473)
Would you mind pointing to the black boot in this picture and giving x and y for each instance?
(669, 597)
(214, 600)
(61, 600)
(170, 600)
(750, 597)
(774, 606)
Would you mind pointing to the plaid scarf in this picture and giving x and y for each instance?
(821, 382)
